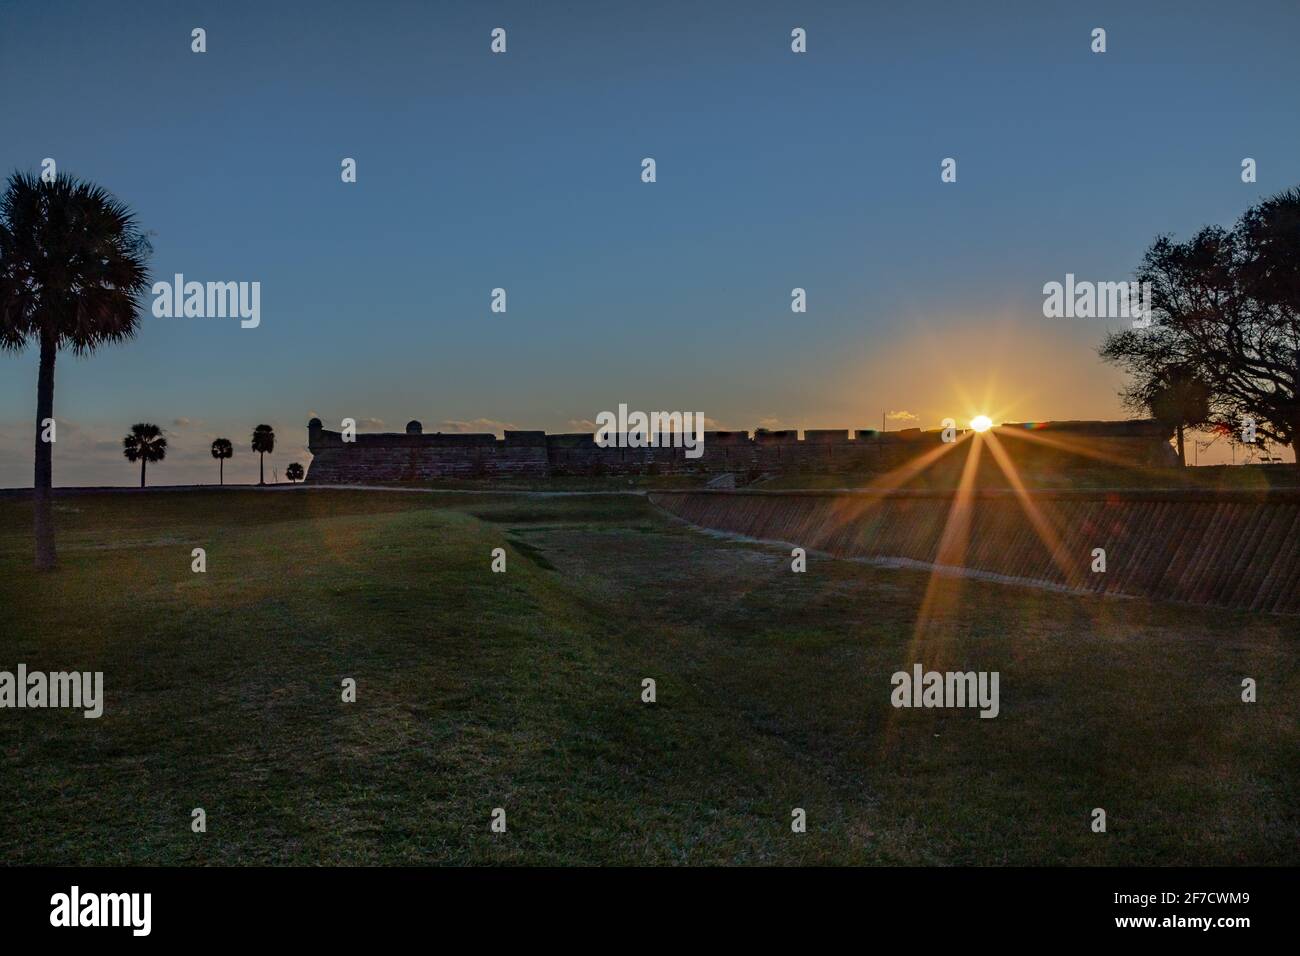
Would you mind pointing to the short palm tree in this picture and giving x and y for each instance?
(72, 271)
(294, 472)
(144, 443)
(221, 450)
(263, 444)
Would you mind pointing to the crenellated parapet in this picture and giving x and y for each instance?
(414, 455)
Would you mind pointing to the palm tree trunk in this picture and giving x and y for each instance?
(261, 475)
(42, 484)
(221, 471)
(142, 462)
(1182, 456)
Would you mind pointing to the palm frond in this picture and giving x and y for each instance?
(72, 264)
(145, 440)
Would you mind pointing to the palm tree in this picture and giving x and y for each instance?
(144, 443)
(294, 472)
(263, 444)
(72, 270)
(221, 450)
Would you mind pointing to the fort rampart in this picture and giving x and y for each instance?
(417, 456)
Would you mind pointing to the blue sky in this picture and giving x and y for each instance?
(522, 171)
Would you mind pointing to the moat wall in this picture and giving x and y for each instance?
(1224, 549)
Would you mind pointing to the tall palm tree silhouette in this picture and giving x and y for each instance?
(72, 271)
(221, 450)
(263, 444)
(144, 443)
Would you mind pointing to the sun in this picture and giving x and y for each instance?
(981, 423)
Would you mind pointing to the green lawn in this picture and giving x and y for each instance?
(522, 690)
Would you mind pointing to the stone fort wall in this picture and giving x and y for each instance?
(416, 456)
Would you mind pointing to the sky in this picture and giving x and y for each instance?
(522, 171)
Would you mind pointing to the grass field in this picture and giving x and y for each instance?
(522, 690)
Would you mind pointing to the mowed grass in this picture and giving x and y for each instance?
(523, 691)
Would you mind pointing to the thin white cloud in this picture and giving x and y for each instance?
(477, 425)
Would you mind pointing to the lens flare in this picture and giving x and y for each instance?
(981, 423)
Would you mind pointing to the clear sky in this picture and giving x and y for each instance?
(522, 171)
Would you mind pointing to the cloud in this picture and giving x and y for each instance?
(476, 425)
(902, 416)
(182, 422)
(371, 423)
